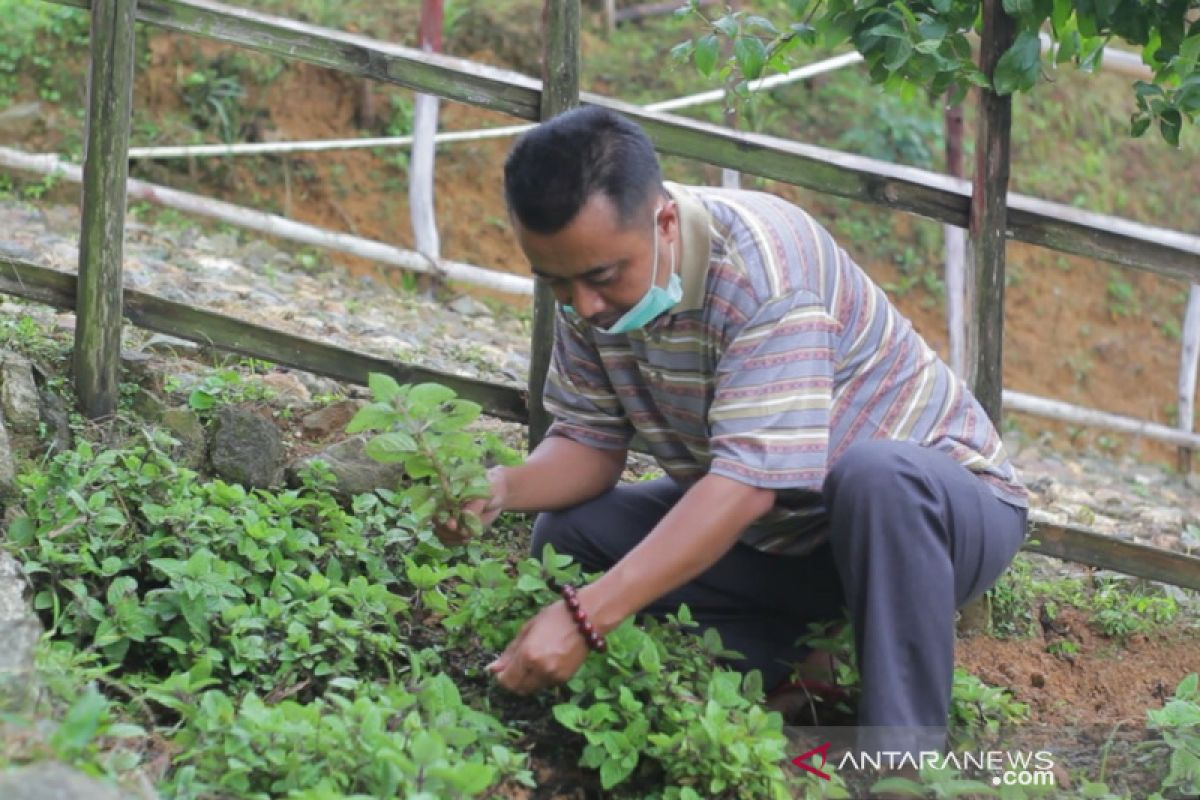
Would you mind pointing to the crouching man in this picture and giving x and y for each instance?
(819, 456)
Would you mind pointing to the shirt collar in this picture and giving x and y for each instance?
(694, 244)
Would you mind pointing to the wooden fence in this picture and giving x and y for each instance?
(986, 209)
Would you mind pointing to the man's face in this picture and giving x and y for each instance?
(596, 265)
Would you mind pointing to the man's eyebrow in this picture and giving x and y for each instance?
(587, 273)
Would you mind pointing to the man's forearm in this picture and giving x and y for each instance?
(698, 531)
(561, 473)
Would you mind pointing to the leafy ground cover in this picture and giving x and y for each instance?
(219, 642)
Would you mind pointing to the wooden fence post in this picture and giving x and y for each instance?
(560, 92)
(985, 248)
(1189, 355)
(988, 218)
(101, 242)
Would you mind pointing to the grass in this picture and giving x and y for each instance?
(1115, 606)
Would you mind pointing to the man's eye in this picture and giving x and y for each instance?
(603, 278)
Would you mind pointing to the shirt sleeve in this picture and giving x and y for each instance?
(770, 415)
(580, 395)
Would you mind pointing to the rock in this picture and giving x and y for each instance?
(8, 466)
(287, 387)
(1162, 519)
(469, 307)
(325, 421)
(257, 254)
(49, 780)
(148, 405)
(19, 634)
(137, 367)
(19, 120)
(18, 393)
(65, 321)
(57, 421)
(221, 244)
(319, 386)
(355, 471)
(247, 449)
(17, 251)
(169, 345)
(185, 425)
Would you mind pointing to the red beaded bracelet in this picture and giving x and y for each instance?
(590, 634)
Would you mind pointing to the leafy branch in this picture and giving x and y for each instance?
(927, 44)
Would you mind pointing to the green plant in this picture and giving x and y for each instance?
(979, 707)
(650, 698)
(32, 40)
(26, 335)
(422, 428)
(1179, 723)
(897, 129)
(1122, 298)
(236, 620)
(1011, 601)
(222, 387)
(213, 98)
(1063, 648)
(398, 741)
(1119, 610)
(926, 46)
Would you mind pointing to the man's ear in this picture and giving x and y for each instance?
(668, 218)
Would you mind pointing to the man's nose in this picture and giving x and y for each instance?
(587, 301)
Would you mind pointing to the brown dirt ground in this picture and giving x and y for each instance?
(1104, 683)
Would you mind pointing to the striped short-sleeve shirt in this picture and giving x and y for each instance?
(781, 355)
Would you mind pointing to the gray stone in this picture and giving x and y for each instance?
(185, 425)
(247, 448)
(318, 385)
(21, 119)
(17, 251)
(469, 307)
(169, 345)
(137, 366)
(257, 254)
(49, 780)
(8, 466)
(288, 388)
(148, 405)
(19, 634)
(18, 393)
(355, 471)
(1162, 519)
(333, 418)
(57, 420)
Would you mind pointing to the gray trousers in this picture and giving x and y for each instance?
(912, 537)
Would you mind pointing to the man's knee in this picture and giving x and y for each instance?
(553, 528)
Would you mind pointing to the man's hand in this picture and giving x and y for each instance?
(548, 650)
(455, 532)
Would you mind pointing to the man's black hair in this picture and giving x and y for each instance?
(554, 169)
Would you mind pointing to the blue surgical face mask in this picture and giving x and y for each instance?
(655, 301)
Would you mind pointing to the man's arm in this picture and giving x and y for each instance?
(560, 473)
(702, 527)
